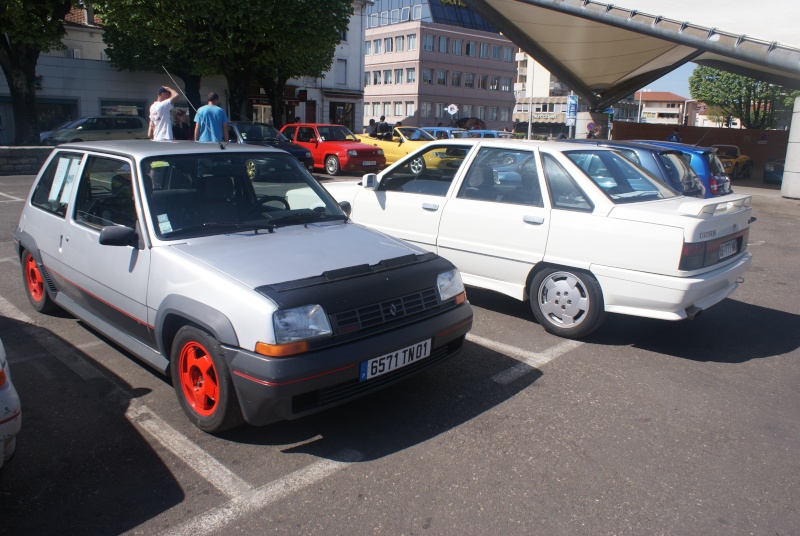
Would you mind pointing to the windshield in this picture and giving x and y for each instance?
(678, 172)
(620, 179)
(260, 132)
(336, 133)
(208, 194)
(715, 165)
(412, 133)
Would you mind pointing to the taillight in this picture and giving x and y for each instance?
(696, 255)
(712, 185)
(693, 256)
(2, 377)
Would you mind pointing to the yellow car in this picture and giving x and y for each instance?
(399, 142)
(736, 164)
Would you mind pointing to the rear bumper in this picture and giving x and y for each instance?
(272, 389)
(667, 297)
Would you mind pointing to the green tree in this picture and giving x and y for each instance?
(755, 102)
(28, 28)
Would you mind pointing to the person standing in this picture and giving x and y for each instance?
(160, 127)
(372, 129)
(181, 129)
(211, 122)
(675, 136)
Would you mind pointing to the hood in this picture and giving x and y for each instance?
(294, 252)
(289, 147)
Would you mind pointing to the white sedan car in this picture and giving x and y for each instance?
(579, 231)
(10, 411)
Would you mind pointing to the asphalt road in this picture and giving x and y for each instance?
(646, 427)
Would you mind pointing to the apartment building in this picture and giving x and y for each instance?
(425, 58)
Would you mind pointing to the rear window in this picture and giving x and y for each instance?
(714, 164)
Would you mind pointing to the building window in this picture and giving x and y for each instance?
(506, 85)
(493, 113)
(366, 78)
(441, 77)
(410, 110)
(427, 76)
(494, 84)
(484, 50)
(387, 108)
(398, 76)
(404, 14)
(376, 78)
(458, 44)
(456, 79)
(341, 72)
(367, 48)
(483, 81)
(471, 45)
(384, 18)
(395, 16)
(387, 45)
(481, 113)
(467, 111)
(508, 54)
(399, 41)
(387, 76)
(367, 109)
(411, 75)
(376, 45)
(417, 13)
(427, 42)
(443, 44)
(439, 109)
(425, 109)
(412, 41)
(469, 80)
(398, 109)
(376, 108)
(373, 20)
(343, 36)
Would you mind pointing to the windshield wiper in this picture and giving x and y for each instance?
(256, 225)
(308, 217)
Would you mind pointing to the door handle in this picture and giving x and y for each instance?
(430, 206)
(533, 220)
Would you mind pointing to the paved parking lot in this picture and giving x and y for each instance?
(646, 427)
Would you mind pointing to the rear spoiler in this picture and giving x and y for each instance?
(707, 208)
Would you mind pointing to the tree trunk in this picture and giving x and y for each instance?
(273, 90)
(19, 67)
(238, 86)
(191, 90)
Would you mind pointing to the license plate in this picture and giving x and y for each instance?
(371, 163)
(726, 249)
(394, 360)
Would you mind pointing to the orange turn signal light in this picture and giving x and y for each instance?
(282, 350)
(461, 298)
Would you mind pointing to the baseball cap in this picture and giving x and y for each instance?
(162, 90)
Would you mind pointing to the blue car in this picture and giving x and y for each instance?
(773, 171)
(705, 163)
(250, 133)
(446, 133)
(665, 164)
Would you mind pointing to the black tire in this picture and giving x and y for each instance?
(203, 382)
(332, 165)
(748, 170)
(567, 302)
(34, 283)
(735, 172)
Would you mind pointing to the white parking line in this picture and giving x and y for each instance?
(9, 259)
(199, 460)
(258, 499)
(10, 197)
(529, 360)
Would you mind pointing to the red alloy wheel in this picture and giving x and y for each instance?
(33, 278)
(199, 379)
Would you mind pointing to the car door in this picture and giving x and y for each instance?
(495, 227)
(308, 137)
(409, 199)
(108, 281)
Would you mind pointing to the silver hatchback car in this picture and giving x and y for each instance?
(256, 293)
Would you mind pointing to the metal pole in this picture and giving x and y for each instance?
(530, 114)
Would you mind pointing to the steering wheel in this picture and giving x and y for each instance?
(264, 200)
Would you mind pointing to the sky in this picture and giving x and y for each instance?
(768, 20)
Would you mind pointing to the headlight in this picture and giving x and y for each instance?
(726, 164)
(769, 166)
(380, 152)
(301, 323)
(352, 152)
(308, 154)
(450, 286)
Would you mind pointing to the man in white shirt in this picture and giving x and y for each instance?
(160, 127)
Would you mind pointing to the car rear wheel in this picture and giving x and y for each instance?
(748, 170)
(735, 172)
(332, 165)
(567, 303)
(203, 382)
(417, 165)
(35, 284)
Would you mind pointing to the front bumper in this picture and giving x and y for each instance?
(272, 389)
(10, 417)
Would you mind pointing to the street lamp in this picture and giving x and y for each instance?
(640, 104)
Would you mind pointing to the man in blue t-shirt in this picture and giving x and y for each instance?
(211, 122)
(675, 136)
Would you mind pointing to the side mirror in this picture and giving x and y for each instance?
(118, 235)
(370, 181)
(346, 207)
(400, 141)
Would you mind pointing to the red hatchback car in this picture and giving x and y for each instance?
(335, 148)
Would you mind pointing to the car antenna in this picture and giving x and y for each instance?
(221, 145)
(697, 143)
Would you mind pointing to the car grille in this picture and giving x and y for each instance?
(378, 315)
(353, 388)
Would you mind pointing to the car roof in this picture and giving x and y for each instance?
(443, 128)
(685, 147)
(514, 143)
(627, 144)
(140, 149)
(313, 125)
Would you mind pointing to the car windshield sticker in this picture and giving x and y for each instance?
(163, 224)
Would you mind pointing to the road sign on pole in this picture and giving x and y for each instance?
(572, 110)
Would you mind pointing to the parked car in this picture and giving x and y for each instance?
(735, 163)
(582, 231)
(10, 411)
(334, 148)
(477, 133)
(665, 164)
(119, 127)
(773, 171)
(259, 297)
(43, 135)
(250, 133)
(397, 143)
(704, 162)
(446, 133)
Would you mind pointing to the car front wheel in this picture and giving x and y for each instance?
(567, 303)
(35, 284)
(748, 170)
(203, 382)
(332, 165)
